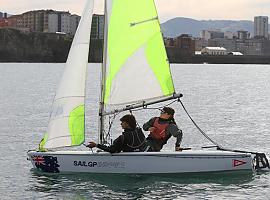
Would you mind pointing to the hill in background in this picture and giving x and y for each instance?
(181, 25)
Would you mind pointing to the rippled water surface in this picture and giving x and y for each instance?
(231, 103)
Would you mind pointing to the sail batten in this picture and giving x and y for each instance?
(67, 120)
(59, 98)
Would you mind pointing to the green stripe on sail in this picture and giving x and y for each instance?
(76, 125)
(157, 58)
(134, 24)
(43, 142)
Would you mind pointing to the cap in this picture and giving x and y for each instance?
(168, 110)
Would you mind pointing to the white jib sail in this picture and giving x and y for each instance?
(66, 125)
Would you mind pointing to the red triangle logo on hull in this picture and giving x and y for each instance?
(237, 163)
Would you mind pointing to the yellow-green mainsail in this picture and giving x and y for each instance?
(136, 56)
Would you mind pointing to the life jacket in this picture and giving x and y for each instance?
(160, 130)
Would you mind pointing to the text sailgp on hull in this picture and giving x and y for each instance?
(134, 58)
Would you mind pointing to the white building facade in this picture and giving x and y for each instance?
(214, 51)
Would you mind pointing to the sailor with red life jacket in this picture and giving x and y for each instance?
(161, 129)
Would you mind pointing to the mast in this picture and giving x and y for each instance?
(103, 78)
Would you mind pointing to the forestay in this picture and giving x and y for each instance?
(137, 67)
(67, 120)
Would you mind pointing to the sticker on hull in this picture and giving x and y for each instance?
(237, 163)
(46, 163)
(99, 164)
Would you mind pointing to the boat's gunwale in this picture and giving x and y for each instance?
(189, 153)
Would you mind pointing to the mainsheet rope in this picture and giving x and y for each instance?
(200, 130)
(260, 159)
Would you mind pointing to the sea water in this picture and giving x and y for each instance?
(231, 103)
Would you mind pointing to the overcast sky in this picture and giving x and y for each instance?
(167, 9)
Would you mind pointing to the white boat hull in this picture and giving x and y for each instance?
(141, 162)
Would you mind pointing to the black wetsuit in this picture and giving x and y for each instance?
(129, 141)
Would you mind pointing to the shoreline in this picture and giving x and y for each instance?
(226, 59)
(19, 47)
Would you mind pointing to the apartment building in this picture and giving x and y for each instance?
(209, 34)
(64, 22)
(186, 43)
(74, 22)
(243, 35)
(97, 31)
(48, 21)
(261, 26)
(51, 22)
(15, 21)
(3, 15)
(3, 23)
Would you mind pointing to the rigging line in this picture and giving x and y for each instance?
(138, 125)
(200, 130)
(110, 126)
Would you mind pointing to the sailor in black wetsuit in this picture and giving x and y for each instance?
(132, 139)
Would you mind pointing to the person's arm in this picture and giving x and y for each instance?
(176, 132)
(116, 147)
(148, 124)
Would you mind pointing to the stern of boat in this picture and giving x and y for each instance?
(261, 162)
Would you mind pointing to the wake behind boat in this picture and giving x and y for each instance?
(135, 60)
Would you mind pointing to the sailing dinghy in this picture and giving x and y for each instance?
(134, 56)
